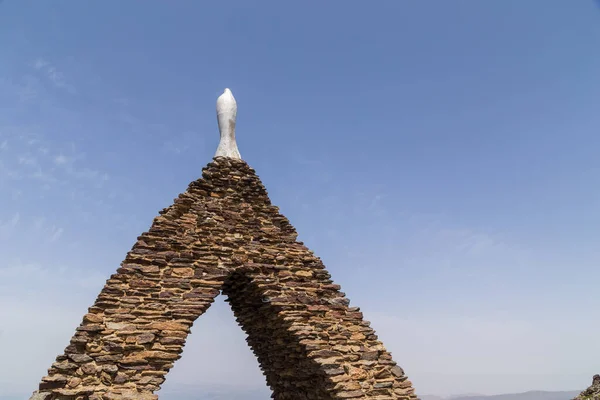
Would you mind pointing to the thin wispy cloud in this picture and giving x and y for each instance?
(60, 159)
(31, 158)
(55, 76)
(7, 173)
(27, 159)
(39, 63)
(27, 90)
(71, 166)
(23, 89)
(122, 101)
(40, 167)
(8, 226)
(184, 142)
(56, 234)
(46, 275)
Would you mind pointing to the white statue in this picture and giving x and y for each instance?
(226, 113)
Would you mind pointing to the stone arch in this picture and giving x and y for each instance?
(223, 233)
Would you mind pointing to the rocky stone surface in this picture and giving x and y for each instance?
(591, 393)
(223, 234)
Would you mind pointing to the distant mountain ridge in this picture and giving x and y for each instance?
(533, 395)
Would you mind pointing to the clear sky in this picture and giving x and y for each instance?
(441, 157)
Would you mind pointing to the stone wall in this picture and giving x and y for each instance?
(223, 234)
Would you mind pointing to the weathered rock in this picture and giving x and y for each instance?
(41, 396)
(80, 358)
(145, 338)
(591, 393)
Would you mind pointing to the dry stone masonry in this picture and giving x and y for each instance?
(224, 235)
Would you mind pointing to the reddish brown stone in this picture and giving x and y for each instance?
(223, 234)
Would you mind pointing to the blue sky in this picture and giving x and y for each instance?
(440, 157)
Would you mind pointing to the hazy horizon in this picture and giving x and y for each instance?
(440, 157)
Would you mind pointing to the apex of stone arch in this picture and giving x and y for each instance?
(226, 116)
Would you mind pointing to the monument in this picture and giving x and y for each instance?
(223, 235)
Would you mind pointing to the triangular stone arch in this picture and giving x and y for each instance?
(223, 234)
